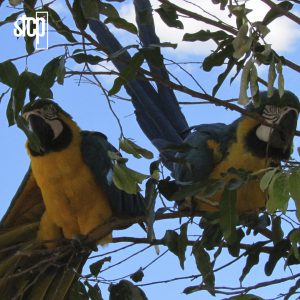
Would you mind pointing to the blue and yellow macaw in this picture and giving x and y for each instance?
(244, 144)
(67, 193)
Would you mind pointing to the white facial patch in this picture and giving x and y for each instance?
(273, 115)
(56, 126)
(263, 133)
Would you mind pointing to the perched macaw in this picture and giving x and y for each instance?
(67, 192)
(244, 144)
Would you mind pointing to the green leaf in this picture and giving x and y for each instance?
(294, 189)
(274, 13)
(29, 43)
(240, 12)
(15, 2)
(127, 179)
(187, 191)
(253, 82)
(122, 24)
(182, 244)
(271, 78)
(242, 43)
(277, 233)
(153, 56)
(150, 200)
(217, 58)
(223, 76)
(234, 248)
(295, 240)
(79, 18)
(56, 22)
(10, 110)
(37, 86)
(87, 58)
(164, 45)
(94, 292)
(204, 266)
(125, 290)
(90, 9)
(212, 235)
(20, 91)
(169, 15)
(108, 10)
(280, 78)
(170, 240)
(261, 28)
(279, 251)
(128, 73)
(131, 148)
(266, 179)
(117, 157)
(50, 71)
(243, 97)
(154, 169)
(177, 243)
(138, 275)
(61, 72)
(205, 35)
(96, 267)
(78, 292)
(252, 259)
(8, 74)
(228, 215)
(278, 193)
(13, 17)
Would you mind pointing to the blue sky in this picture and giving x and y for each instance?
(89, 108)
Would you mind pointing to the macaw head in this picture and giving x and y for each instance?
(51, 124)
(282, 112)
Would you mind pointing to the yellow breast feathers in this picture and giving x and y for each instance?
(75, 204)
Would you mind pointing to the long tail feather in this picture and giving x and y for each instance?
(157, 111)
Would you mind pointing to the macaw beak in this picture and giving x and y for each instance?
(282, 136)
(39, 126)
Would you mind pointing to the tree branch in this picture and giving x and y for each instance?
(282, 11)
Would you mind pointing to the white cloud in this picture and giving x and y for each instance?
(283, 36)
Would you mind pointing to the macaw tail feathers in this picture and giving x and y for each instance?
(157, 110)
(28, 269)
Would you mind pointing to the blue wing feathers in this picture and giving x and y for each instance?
(94, 150)
(199, 159)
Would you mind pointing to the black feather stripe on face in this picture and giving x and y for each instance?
(46, 135)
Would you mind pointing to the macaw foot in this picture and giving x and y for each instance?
(80, 243)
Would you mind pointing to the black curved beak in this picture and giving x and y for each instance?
(282, 136)
(43, 130)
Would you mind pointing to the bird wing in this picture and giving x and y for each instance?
(27, 269)
(27, 204)
(94, 148)
(206, 148)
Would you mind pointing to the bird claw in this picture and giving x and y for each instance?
(80, 242)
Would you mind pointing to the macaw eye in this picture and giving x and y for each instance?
(49, 111)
